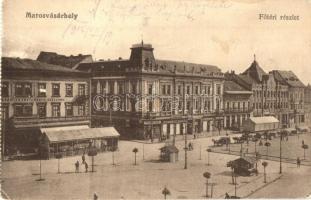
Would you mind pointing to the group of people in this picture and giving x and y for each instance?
(77, 164)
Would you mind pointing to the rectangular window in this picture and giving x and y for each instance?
(69, 110)
(134, 88)
(28, 89)
(196, 89)
(55, 89)
(179, 89)
(168, 89)
(23, 110)
(111, 87)
(205, 105)
(209, 90)
(163, 89)
(23, 89)
(81, 110)
(81, 89)
(121, 87)
(150, 86)
(5, 89)
(188, 89)
(42, 110)
(41, 89)
(188, 105)
(69, 89)
(209, 105)
(218, 89)
(56, 110)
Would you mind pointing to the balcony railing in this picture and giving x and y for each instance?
(237, 110)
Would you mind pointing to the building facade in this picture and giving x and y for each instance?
(147, 98)
(270, 96)
(38, 95)
(307, 104)
(237, 105)
(295, 96)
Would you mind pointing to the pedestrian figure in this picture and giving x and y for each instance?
(77, 166)
(260, 143)
(190, 147)
(227, 196)
(303, 142)
(83, 158)
(287, 138)
(86, 166)
(298, 162)
(95, 197)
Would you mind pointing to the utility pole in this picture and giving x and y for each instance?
(186, 149)
(281, 138)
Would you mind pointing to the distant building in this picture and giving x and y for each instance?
(295, 98)
(270, 95)
(237, 105)
(37, 95)
(307, 104)
(62, 60)
(149, 98)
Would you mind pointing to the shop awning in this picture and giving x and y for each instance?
(264, 120)
(303, 128)
(63, 134)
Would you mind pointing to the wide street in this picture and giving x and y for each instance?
(147, 179)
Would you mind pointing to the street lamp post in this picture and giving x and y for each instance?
(208, 152)
(281, 138)
(186, 149)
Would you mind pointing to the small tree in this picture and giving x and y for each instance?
(207, 175)
(135, 151)
(304, 146)
(165, 192)
(58, 156)
(265, 164)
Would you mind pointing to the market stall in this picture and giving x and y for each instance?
(76, 140)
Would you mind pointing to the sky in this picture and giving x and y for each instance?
(225, 33)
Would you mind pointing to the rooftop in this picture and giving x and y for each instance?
(231, 86)
(264, 120)
(66, 61)
(10, 63)
(255, 71)
(287, 77)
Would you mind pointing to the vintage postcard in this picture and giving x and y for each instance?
(142, 99)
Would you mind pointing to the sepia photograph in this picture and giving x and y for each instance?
(167, 99)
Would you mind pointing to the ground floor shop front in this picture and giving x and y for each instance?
(161, 128)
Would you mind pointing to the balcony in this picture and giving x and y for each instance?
(238, 110)
(36, 121)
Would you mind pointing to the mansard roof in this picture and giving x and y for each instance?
(287, 77)
(19, 64)
(185, 67)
